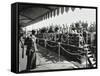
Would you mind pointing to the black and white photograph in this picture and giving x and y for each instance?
(56, 37)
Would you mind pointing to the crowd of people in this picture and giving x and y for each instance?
(75, 34)
(79, 31)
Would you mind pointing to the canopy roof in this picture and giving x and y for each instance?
(30, 14)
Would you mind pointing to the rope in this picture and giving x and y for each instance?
(47, 43)
(82, 51)
(53, 41)
(71, 45)
(56, 42)
(62, 43)
(51, 45)
(46, 40)
(40, 38)
(72, 53)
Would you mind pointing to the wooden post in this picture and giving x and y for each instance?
(59, 50)
(79, 39)
(68, 38)
(87, 38)
(86, 58)
(45, 41)
(68, 34)
(55, 36)
(85, 49)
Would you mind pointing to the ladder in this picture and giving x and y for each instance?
(90, 56)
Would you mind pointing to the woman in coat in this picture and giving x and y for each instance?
(30, 42)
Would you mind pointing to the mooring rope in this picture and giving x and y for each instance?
(82, 51)
(51, 45)
(79, 54)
